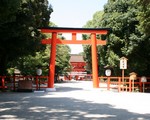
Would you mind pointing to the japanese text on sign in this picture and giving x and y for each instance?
(123, 63)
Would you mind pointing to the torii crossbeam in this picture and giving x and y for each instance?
(54, 41)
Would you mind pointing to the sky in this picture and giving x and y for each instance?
(74, 13)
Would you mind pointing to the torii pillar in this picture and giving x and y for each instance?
(54, 41)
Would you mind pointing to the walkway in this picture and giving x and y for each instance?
(75, 101)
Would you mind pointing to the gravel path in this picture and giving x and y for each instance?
(75, 100)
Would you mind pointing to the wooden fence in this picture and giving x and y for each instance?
(126, 84)
(116, 83)
(11, 82)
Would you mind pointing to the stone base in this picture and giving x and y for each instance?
(39, 91)
(50, 89)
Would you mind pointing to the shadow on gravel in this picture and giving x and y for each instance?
(30, 106)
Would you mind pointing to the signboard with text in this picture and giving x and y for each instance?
(123, 63)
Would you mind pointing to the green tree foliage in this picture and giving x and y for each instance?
(127, 38)
(94, 23)
(28, 64)
(144, 15)
(19, 23)
(62, 60)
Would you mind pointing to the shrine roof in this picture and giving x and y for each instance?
(76, 58)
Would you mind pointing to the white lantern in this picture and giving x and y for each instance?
(108, 72)
(143, 79)
(39, 71)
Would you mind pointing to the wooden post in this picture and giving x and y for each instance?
(52, 63)
(14, 82)
(108, 83)
(36, 82)
(123, 77)
(3, 83)
(143, 87)
(94, 61)
(130, 85)
(119, 84)
(140, 85)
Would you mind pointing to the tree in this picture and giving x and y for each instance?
(94, 23)
(126, 38)
(19, 28)
(62, 60)
(144, 16)
(28, 64)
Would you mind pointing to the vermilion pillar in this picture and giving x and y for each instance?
(52, 63)
(94, 61)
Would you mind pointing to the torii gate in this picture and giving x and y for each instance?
(54, 41)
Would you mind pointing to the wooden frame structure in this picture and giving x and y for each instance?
(74, 31)
(111, 83)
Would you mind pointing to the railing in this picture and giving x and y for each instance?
(11, 82)
(2, 86)
(117, 83)
(125, 84)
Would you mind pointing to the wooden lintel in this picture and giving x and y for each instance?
(75, 30)
(99, 42)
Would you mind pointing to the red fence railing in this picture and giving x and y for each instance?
(126, 84)
(117, 83)
(11, 82)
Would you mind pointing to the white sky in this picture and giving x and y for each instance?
(74, 13)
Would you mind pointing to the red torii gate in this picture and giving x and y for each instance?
(54, 41)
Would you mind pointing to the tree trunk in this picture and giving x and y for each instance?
(3, 65)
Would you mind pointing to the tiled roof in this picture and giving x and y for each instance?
(76, 58)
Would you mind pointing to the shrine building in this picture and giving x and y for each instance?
(78, 71)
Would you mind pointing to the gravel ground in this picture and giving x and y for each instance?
(75, 100)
